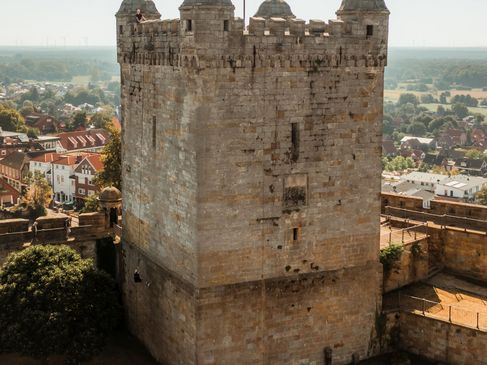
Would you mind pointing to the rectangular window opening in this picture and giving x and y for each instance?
(294, 141)
(370, 30)
(189, 25)
(154, 130)
(120, 29)
(226, 25)
(295, 234)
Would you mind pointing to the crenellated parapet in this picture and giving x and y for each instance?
(274, 42)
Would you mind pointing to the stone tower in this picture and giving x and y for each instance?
(251, 181)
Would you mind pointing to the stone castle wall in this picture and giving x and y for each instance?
(248, 156)
(442, 341)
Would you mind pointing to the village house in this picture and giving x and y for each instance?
(14, 169)
(8, 195)
(63, 182)
(90, 140)
(415, 143)
(424, 180)
(470, 166)
(43, 123)
(460, 186)
(84, 175)
(43, 164)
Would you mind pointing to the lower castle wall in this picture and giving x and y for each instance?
(160, 309)
(466, 253)
(277, 321)
(290, 321)
(442, 341)
(412, 267)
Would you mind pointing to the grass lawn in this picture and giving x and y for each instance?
(433, 107)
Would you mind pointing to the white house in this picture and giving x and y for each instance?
(63, 182)
(460, 186)
(43, 164)
(424, 180)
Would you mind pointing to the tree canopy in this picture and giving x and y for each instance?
(111, 175)
(55, 302)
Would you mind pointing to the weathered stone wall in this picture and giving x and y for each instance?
(465, 252)
(290, 320)
(248, 158)
(442, 341)
(457, 249)
(412, 267)
(160, 309)
(16, 235)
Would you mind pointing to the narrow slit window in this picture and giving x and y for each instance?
(189, 25)
(120, 29)
(294, 141)
(370, 30)
(295, 234)
(154, 130)
(226, 25)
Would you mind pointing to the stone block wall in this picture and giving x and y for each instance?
(14, 225)
(411, 268)
(442, 341)
(251, 167)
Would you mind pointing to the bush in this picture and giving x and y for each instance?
(55, 302)
(389, 256)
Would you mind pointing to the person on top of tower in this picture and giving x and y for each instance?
(139, 17)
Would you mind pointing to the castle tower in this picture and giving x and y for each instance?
(251, 183)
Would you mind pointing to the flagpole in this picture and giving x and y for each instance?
(244, 14)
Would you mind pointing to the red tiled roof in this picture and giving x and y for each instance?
(95, 161)
(70, 160)
(47, 157)
(90, 138)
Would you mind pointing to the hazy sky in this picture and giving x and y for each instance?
(438, 23)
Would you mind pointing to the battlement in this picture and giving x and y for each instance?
(276, 41)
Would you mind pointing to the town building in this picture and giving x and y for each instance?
(460, 186)
(414, 143)
(424, 180)
(84, 175)
(14, 169)
(89, 140)
(9, 196)
(247, 155)
(45, 124)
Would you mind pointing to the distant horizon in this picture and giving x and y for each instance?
(413, 23)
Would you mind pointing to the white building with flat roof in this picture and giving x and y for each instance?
(460, 186)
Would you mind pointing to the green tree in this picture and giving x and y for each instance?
(39, 195)
(79, 121)
(460, 110)
(101, 120)
(10, 119)
(417, 129)
(408, 98)
(474, 155)
(55, 302)
(481, 196)
(111, 175)
(91, 204)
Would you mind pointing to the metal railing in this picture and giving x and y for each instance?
(406, 235)
(454, 314)
(440, 219)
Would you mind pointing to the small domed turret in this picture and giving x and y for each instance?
(147, 7)
(275, 9)
(207, 2)
(110, 197)
(363, 5)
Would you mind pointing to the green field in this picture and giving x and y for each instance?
(434, 107)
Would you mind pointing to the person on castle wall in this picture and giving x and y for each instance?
(139, 17)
